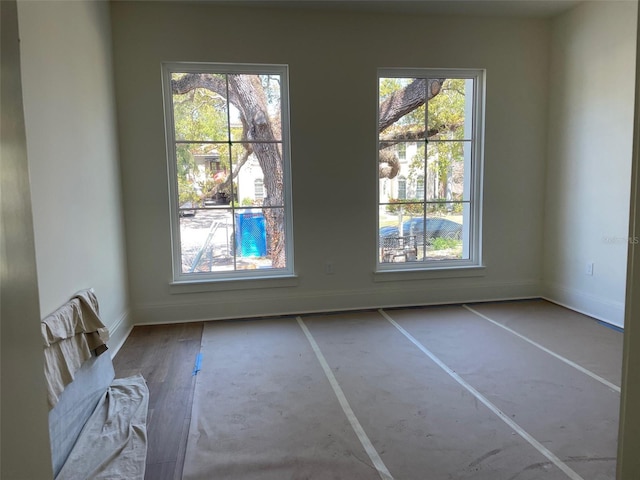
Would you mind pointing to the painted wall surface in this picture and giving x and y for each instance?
(73, 156)
(592, 78)
(333, 137)
(24, 441)
(628, 466)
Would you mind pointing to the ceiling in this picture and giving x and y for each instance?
(517, 8)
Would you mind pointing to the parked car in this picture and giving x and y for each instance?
(187, 209)
(437, 227)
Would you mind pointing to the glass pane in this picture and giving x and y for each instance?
(256, 107)
(206, 241)
(420, 187)
(252, 185)
(401, 168)
(272, 88)
(200, 107)
(202, 169)
(260, 238)
(401, 109)
(444, 231)
(447, 177)
(398, 240)
(247, 172)
(276, 236)
(450, 111)
(403, 226)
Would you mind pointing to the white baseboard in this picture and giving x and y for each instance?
(591, 305)
(118, 333)
(267, 304)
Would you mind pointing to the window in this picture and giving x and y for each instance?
(430, 127)
(402, 151)
(258, 189)
(420, 186)
(402, 188)
(228, 129)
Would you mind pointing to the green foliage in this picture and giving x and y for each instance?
(186, 161)
(187, 192)
(414, 209)
(208, 188)
(446, 110)
(390, 85)
(440, 243)
(456, 208)
(416, 164)
(443, 208)
(199, 115)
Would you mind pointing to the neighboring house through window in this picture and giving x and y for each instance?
(402, 152)
(228, 131)
(420, 186)
(402, 188)
(258, 188)
(430, 128)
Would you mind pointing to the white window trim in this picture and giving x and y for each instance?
(250, 276)
(472, 266)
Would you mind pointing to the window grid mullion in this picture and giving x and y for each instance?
(226, 142)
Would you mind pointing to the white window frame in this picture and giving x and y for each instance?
(472, 226)
(225, 68)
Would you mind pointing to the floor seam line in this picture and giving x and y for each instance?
(346, 408)
(499, 413)
(578, 367)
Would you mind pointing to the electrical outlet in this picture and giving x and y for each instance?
(328, 268)
(589, 269)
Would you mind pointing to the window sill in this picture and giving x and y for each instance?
(429, 274)
(228, 284)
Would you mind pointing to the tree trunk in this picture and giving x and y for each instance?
(252, 104)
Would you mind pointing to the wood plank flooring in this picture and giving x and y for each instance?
(165, 355)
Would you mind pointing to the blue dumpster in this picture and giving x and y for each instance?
(251, 235)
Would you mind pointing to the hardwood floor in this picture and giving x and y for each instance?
(165, 355)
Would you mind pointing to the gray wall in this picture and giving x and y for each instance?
(333, 110)
(73, 156)
(24, 440)
(592, 79)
